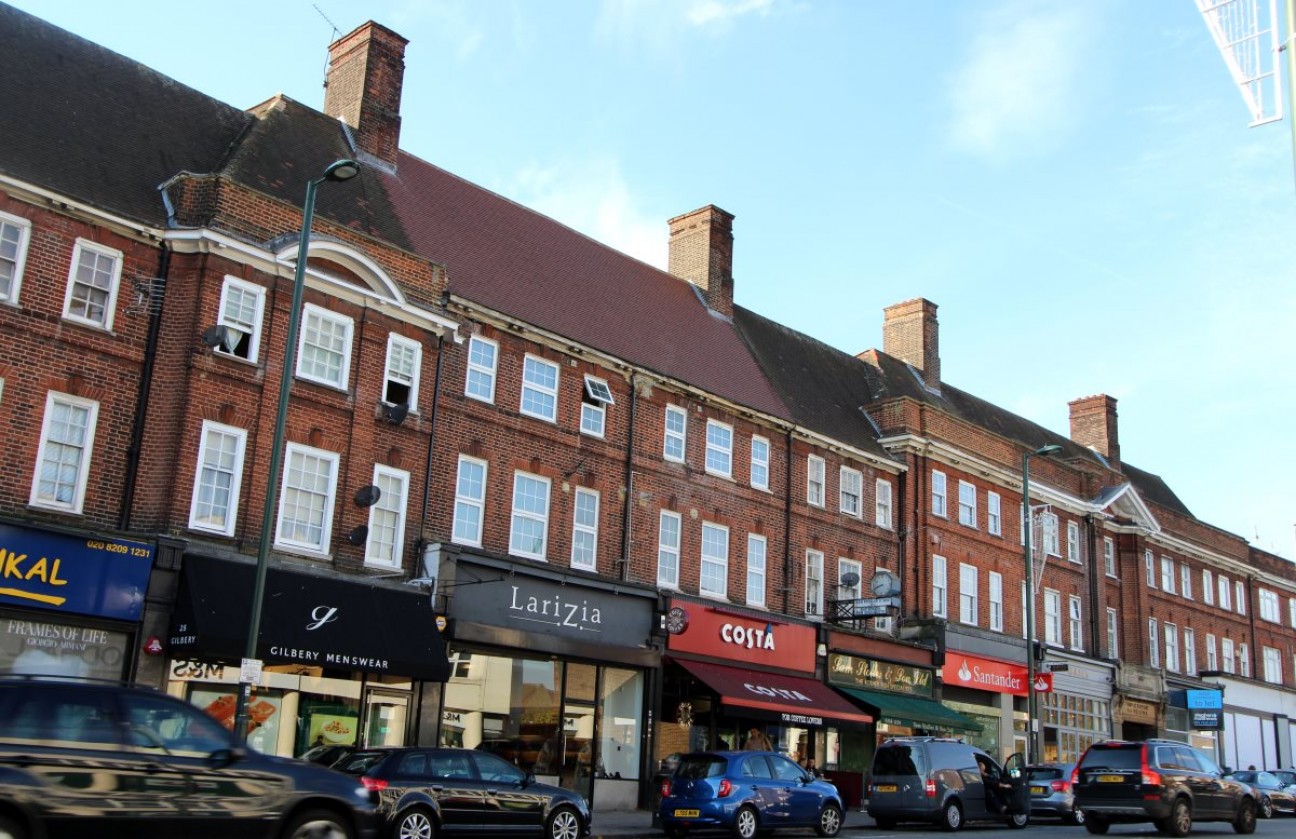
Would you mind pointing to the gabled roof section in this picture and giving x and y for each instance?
(513, 260)
(88, 123)
(1123, 503)
(825, 389)
(1153, 488)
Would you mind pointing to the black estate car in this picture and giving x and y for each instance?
(1165, 782)
(424, 793)
(79, 758)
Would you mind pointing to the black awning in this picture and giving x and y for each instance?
(331, 622)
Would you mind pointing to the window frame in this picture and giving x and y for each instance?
(996, 600)
(760, 465)
(1190, 651)
(1154, 645)
(967, 504)
(253, 330)
(285, 542)
(77, 504)
(1073, 542)
(235, 488)
(82, 247)
(469, 501)
(395, 341)
(757, 568)
(1208, 587)
(1052, 617)
(1075, 622)
(814, 580)
(476, 372)
(1170, 631)
(1113, 634)
(1167, 574)
(846, 566)
(1272, 672)
(1239, 597)
(1212, 652)
(854, 478)
(710, 531)
(593, 420)
(582, 530)
(1225, 590)
(522, 515)
(940, 587)
(347, 325)
(1109, 556)
(1052, 537)
(675, 436)
(539, 391)
(596, 389)
(24, 228)
(385, 505)
(939, 494)
(1269, 606)
(969, 594)
(816, 465)
(1185, 581)
(1149, 569)
(994, 514)
(663, 550)
(882, 503)
(719, 449)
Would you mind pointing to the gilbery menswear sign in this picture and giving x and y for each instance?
(984, 674)
(733, 636)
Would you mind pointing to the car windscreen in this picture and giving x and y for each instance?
(1118, 757)
(696, 767)
(1043, 773)
(359, 763)
(897, 760)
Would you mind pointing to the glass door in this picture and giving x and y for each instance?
(385, 718)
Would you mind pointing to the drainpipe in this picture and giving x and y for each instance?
(629, 484)
(787, 526)
(432, 422)
(145, 386)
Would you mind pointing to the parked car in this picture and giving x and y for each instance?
(325, 754)
(1165, 782)
(1050, 792)
(1275, 796)
(940, 781)
(117, 760)
(423, 793)
(745, 792)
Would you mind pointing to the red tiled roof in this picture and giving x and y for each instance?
(516, 261)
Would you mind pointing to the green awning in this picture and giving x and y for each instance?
(911, 711)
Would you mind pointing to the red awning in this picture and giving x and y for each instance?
(794, 698)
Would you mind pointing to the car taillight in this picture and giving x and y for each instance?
(665, 788)
(373, 784)
(725, 788)
(1075, 775)
(930, 789)
(1149, 776)
(1060, 786)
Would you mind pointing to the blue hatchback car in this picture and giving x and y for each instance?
(746, 792)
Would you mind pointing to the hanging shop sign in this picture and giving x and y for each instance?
(738, 637)
(100, 576)
(870, 674)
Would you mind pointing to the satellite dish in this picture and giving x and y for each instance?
(367, 496)
(358, 535)
(395, 414)
(221, 336)
(850, 579)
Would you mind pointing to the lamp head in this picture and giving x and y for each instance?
(342, 170)
(1049, 450)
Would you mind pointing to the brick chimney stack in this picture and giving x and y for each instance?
(1093, 424)
(910, 333)
(363, 88)
(701, 253)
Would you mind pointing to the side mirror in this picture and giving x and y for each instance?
(1226, 770)
(222, 758)
(528, 779)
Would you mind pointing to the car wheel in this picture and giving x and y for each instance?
(745, 823)
(1077, 816)
(1097, 827)
(1245, 821)
(318, 824)
(1266, 808)
(11, 830)
(1179, 822)
(830, 821)
(564, 823)
(415, 823)
(1018, 821)
(951, 817)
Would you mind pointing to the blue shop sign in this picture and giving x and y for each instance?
(1204, 699)
(106, 577)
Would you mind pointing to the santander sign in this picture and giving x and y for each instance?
(984, 674)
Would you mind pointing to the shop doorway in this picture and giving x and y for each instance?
(385, 718)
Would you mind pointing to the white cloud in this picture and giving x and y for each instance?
(1018, 88)
(591, 195)
(658, 28)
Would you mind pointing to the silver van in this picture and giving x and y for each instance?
(945, 782)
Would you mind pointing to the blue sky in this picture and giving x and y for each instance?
(1074, 184)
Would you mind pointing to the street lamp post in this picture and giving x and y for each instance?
(1032, 708)
(339, 170)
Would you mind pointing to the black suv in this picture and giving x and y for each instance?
(114, 760)
(1164, 782)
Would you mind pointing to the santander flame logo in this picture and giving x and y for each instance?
(964, 672)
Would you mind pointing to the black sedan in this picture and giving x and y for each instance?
(1274, 796)
(423, 793)
(1050, 792)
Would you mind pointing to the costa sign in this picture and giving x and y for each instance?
(985, 674)
(743, 638)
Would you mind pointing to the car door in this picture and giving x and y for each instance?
(754, 778)
(1213, 794)
(508, 801)
(799, 802)
(452, 781)
(1014, 774)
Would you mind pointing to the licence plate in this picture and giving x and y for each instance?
(687, 814)
(1039, 790)
(885, 788)
(1111, 779)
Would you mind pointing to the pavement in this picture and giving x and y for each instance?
(633, 824)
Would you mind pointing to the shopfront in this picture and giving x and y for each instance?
(552, 671)
(735, 678)
(70, 605)
(900, 696)
(347, 661)
(983, 690)
(1077, 711)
